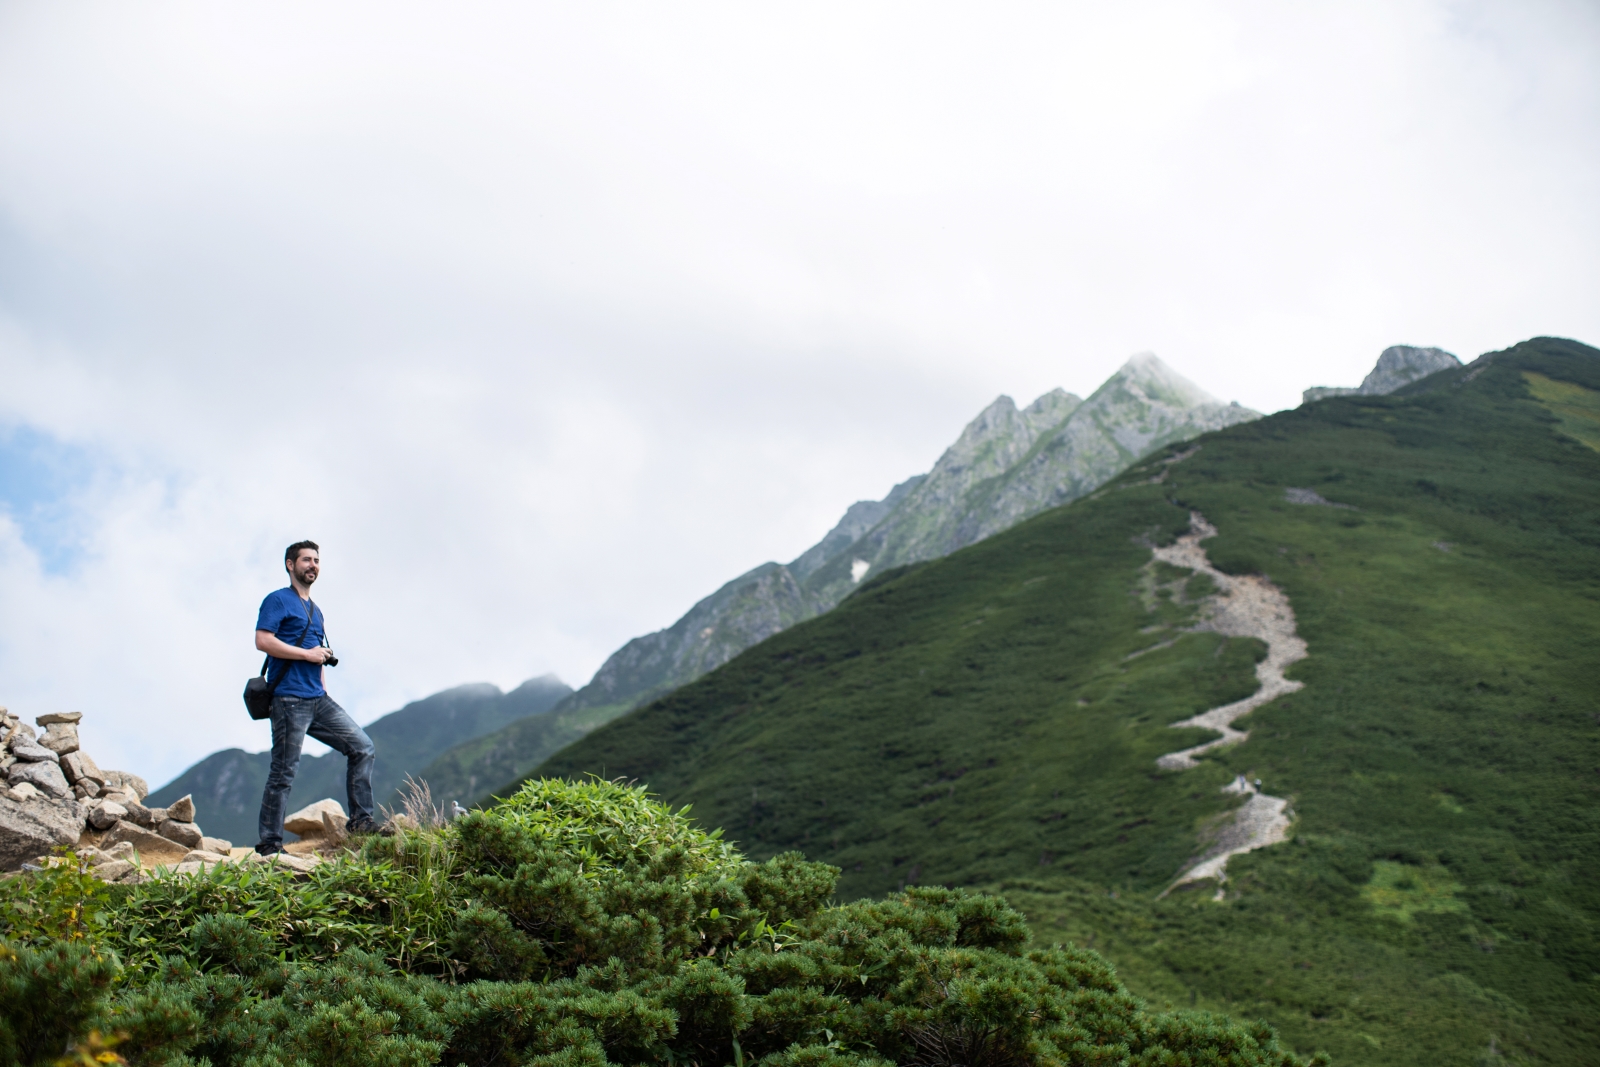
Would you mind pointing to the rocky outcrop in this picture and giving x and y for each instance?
(1397, 367)
(54, 793)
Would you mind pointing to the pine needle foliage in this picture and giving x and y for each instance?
(575, 925)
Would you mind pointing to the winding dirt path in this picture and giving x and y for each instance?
(1244, 606)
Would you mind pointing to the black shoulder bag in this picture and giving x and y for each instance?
(257, 691)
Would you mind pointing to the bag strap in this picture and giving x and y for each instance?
(273, 685)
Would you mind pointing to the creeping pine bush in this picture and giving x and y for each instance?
(573, 925)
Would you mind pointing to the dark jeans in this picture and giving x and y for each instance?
(292, 719)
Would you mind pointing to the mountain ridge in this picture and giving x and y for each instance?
(997, 717)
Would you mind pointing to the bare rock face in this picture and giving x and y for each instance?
(36, 827)
(184, 833)
(60, 738)
(1403, 364)
(182, 809)
(45, 777)
(307, 822)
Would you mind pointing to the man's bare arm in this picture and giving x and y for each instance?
(267, 642)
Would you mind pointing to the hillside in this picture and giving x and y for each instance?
(1006, 465)
(227, 785)
(994, 718)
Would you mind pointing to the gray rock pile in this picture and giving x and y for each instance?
(52, 794)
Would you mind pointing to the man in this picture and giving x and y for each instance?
(290, 629)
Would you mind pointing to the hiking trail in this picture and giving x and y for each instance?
(1243, 606)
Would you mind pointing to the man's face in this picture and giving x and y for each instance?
(305, 566)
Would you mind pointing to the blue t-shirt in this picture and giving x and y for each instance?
(283, 614)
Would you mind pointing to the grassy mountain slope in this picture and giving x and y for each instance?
(977, 720)
(227, 785)
(1006, 465)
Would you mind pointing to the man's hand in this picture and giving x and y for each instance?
(267, 641)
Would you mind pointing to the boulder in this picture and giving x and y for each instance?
(78, 767)
(184, 833)
(57, 717)
(28, 750)
(113, 870)
(40, 826)
(298, 864)
(143, 841)
(60, 738)
(23, 792)
(46, 777)
(201, 855)
(182, 809)
(216, 844)
(22, 730)
(131, 782)
(307, 822)
(137, 812)
(122, 850)
(104, 814)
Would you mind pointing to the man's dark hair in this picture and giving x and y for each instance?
(292, 553)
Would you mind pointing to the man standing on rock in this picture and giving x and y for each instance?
(290, 630)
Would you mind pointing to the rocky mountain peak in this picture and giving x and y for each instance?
(1403, 364)
(1398, 366)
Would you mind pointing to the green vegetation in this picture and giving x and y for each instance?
(572, 926)
(978, 721)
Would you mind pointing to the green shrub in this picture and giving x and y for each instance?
(574, 925)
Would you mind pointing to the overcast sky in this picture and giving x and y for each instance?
(546, 320)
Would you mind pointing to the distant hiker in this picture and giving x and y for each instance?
(290, 630)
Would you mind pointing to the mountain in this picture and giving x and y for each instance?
(1398, 366)
(1007, 464)
(227, 785)
(1296, 721)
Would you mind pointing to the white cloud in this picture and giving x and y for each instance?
(546, 320)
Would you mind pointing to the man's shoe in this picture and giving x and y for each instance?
(367, 828)
(264, 849)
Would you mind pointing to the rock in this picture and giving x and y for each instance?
(298, 864)
(39, 826)
(30, 751)
(182, 809)
(104, 814)
(83, 792)
(201, 855)
(60, 738)
(7, 760)
(46, 777)
(57, 717)
(157, 816)
(78, 767)
(137, 812)
(113, 870)
(132, 782)
(23, 792)
(216, 844)
(142, 840)
(1401, 365)
(307, 822)
(22, 729)
(184, 833)
(122, 850)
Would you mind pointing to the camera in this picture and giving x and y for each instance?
(332, 660)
